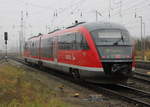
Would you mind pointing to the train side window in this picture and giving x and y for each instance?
(42, 47)
(34, 48)
(78, 40)
(65, 42)
(32, 44)
(70, 41)
(50, 47)
(74, 41)
(25, 46)
(61, 42)
(47, 47)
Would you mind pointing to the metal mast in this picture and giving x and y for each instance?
(21, 35)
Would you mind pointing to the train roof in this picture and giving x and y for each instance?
(102, 25)
(91, 26)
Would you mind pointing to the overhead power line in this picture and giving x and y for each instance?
(131, 8)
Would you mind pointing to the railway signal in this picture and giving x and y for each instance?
(6, 39)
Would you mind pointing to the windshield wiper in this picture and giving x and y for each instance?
(116, 43)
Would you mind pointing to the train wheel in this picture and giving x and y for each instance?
(40, 64)
(26, 61)
(75, 74)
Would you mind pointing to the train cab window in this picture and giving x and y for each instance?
(81, 42)
(84, 44)
(111, 37)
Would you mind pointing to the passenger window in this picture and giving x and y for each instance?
(25, 46)
(47, 47)
(72, 41)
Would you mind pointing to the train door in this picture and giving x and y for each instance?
(55, 49)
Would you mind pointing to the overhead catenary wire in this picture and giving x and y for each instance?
(63, 10)
(69, 13)
(79, 2)
(131, 8)
(59, 10)
(128, 8)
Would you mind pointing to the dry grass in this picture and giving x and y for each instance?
(17, 89)
(139, 55)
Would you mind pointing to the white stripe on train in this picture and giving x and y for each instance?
(96, 69)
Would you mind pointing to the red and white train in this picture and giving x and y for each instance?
(98, 52)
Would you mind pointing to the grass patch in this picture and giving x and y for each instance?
(19, 89)
(139, 55)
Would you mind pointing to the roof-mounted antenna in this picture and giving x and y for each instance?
(76, 24)
(76, 21)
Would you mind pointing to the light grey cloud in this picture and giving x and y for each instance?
(52, 13)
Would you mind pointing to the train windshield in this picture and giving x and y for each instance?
(111, 37)
(112, 44)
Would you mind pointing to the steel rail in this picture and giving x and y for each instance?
(141, 77)
(141, 92)
(142, 74)
(124, 97)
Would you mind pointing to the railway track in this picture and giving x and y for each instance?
(126, 93)
(142, 74)
(120, 91)
(137, 91)
(142, 77)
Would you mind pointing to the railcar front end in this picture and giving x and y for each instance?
(115, 50)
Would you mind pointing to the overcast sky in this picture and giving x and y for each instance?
(38, 14)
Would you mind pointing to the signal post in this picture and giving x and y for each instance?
(6, 39)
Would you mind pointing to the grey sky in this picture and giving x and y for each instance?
(39, 13)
